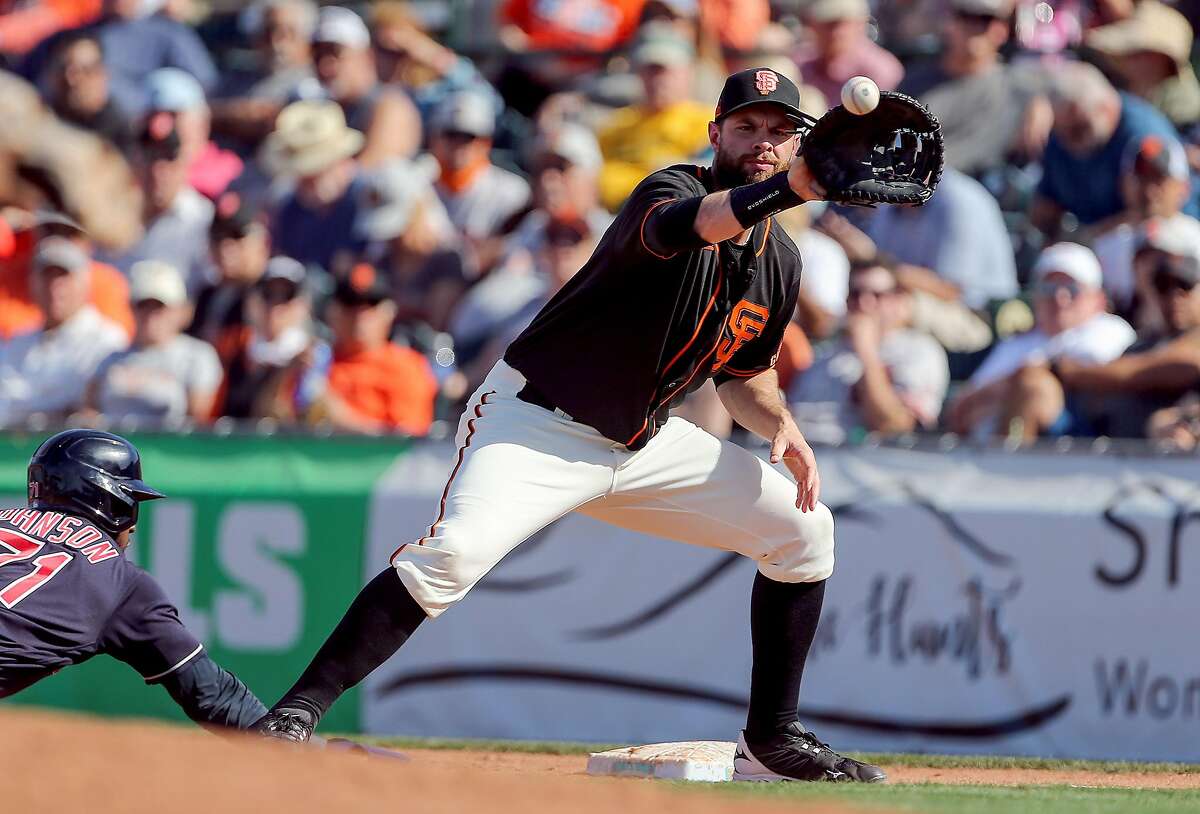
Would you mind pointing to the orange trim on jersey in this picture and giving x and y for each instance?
(462, 452)
(699, 365)
(699, 326)
(711, 301)
(766, 232)
(642, 231)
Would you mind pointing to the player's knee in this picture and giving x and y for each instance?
(807, 554)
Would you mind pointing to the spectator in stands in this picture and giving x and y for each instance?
(345, 66)
(666, 128)
(19, 312)
(1120, 396)
(312, 144)
(247, 102)
(176, 217)
(165, 377)
(278, 337)
(564, 248)
(478, 195)
(880, 376)
(839, 47)
(78, 90)
(411, 242)
(960, 235)
(1155, 186)
(407, 56)
(46, 371)
(240, 248)
(1150, 54)
(135, 42)
(566, 163)
(1093, 127)
(988, 110)
(177, 93)
(1013, 393)
(821, 305)
(374, 385)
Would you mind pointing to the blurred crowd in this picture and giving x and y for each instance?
(340, 215)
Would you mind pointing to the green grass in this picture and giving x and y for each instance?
(927, 798)
(934, 799)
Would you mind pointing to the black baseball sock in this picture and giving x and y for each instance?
(783, 621)
(379, 621)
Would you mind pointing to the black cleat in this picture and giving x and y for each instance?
(796, 754)
(286, 724)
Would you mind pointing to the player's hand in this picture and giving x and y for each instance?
(789, 446)
(802, 182)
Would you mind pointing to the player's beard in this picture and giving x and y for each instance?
(730, 172)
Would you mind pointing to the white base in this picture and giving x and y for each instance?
(705, 761)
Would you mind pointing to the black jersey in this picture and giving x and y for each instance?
(67, 593)
(656, 311)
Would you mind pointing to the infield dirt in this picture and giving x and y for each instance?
(79, 764)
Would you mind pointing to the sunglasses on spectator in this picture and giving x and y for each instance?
(976, 21)
(459, 136)
(856, 294)
(149, 304)
(1048, 289)
(1167, 281)
(327, 49)
(279, 294)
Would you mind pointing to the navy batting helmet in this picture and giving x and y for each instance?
(91, 473)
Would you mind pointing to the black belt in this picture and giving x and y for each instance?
(531, 395)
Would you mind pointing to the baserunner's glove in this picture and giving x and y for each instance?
(892, 155)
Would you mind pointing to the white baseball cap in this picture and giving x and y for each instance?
(575, 143)
(388, 198)
(174, 90)
(466, 112)
(341, 26)
(60, 253)
(156, 280)
(1178, 235)
(1077, 262)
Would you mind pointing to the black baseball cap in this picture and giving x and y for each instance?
(363, 285)
(757, 85)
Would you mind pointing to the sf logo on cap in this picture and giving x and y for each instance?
(766, 81)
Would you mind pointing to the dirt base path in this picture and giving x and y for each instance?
(512, 763)
(67, 763)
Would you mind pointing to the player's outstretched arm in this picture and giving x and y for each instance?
(210, 694)
(756, 404)
(728, 213)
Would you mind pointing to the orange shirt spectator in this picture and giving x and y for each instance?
(18, 312)
(390, 384)
(374, 386)
(22, 28)
(588, 25)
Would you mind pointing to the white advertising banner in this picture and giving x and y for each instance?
(983, 602)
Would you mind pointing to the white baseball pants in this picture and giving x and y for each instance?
(520, 467)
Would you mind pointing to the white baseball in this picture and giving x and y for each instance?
(860, 95)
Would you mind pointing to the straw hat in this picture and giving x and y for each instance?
(309, 136)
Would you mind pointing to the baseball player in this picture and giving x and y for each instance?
(68, 593)
(692, 280)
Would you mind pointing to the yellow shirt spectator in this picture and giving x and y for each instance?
(637, 141)
(666, 128)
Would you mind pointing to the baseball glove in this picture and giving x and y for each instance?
(892, 155)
